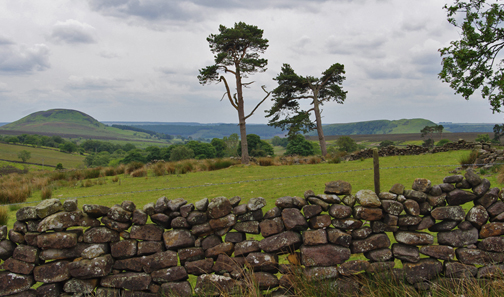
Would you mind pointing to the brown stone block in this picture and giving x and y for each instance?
(414, 238)
(245, 247)
(53, 272)
(251, 227)
(443, 252)
(190, 254)
(324, 255)
(11, 283)
(100, 235)
(177, 289)
(478, 257)
(199, 267)
(424, 270)
(373, 242)
(367, 213)
(271, 226)
(347, 224)
(159, 261)
(350, 268)
(129, 280)
(92, 268)
(294, 220)
(262, 261)
(319, 222)
(284, 242)
(179, 238)
(266, 280)
(57, 240)
(26, 253)
(223, 248)
(124, 248)
(18, 266)
(172, 274)
(314, 237)
(339, 237)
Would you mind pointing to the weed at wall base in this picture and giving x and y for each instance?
(46, 193)
(4, 215)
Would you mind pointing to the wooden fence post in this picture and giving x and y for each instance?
(376, 167)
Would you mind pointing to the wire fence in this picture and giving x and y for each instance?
(257, 180)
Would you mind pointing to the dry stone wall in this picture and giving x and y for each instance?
(443, 233)
(485, 148)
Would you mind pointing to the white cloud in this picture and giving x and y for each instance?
(22, 59)
(72, 32)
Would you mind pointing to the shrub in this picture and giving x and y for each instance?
(4, 215)
(87, 183)
(92, 173)
(346, 144)
(299, 146)
(58, 175)
(181, 153)
(115, 179)
(133, 166)
(429, 143)
(184, 167)
(109, 171)
(385, 143)
(59, 166)
(46, 193)
(265, 161)
(159, 169)
(120, 169)
(469, 160)
(482, 138)
(140, 172)
(314, 160)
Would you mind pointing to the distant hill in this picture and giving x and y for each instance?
(69, 123)
(209, 131)
(376, 127)
(468, 127)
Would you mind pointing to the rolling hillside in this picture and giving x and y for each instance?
(376, 127)
(70, 124)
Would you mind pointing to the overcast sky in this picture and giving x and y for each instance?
(138, 60)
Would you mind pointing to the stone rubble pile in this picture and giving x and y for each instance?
(113, 251)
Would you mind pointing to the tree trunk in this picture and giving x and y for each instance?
(241, 118)
(318, 120)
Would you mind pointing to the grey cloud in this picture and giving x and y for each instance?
(22, 60)
(380, 70)
(92, 83)
(361, 45)
(108, 55)
(4, 88)
(5, 41)
(195, 10)
(72, 31)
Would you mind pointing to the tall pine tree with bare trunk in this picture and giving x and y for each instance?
(236, 51)
(286, 111)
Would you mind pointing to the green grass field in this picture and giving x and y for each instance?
(49, 156)
(269, 182)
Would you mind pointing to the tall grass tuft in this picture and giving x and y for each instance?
(140, 172)
(170, 168)
(133, 166)
(92, 173)
(184, 167)
(265, 161)
(314, 160)
(219, 164)
(120, 169)
(109, 171)
(4, 215)
(469, 160)
(159, 169)
(46, 193)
